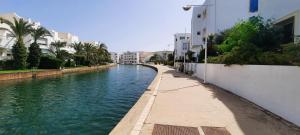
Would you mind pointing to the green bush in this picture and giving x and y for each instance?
(70, 63)
(19, 55)
(50, 62)
(8, 64)
(292, 53)
(34, 56)
(211, 51)
(271, 58)
(79, 59)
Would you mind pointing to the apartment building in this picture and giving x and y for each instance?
(114, 57)
(130, 58)
(69, 39)
(181, 45)
(6, 41)
(216, 16)
(285, 13)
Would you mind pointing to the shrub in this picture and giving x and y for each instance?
(50, 62)
(70, 63)
(34, 55)
(292, 53)
(8, 64)
(79, 59)
(19, 55)
(211, 51)
(272, 58)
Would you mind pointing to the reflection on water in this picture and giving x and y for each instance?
(89, 103)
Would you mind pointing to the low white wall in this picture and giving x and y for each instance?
(275, 88)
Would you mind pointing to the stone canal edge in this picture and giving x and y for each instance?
(132, 122)
(37, 74)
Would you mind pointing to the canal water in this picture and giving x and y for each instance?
(84, 104)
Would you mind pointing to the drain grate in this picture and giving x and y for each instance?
(174, 130)
(215, 131)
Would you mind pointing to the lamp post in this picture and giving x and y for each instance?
(187, 8)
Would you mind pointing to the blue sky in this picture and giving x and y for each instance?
(133, 25)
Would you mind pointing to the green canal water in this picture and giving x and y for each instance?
(84, 104)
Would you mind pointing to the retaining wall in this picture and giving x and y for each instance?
(23, 75)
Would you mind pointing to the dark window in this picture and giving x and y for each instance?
(198, 33)
(199, 16)
(288, 29)
(181, 38)
(253, 6)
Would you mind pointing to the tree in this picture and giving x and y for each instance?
(20, 28)
(89, 53)
(55, 48)
(170, 57)
(78, 47)
(34, 49)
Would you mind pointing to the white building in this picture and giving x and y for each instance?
(285, 13)
(181, 45)
(130, 58)
(114, 57)
(216, 16)
(6, 41)
(69, 39)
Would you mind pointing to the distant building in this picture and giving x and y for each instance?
(114, 57)
(130, 58)
(181, 45)
(145, 56)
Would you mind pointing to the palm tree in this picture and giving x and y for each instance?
(34, 49)
(89, 52)
(55, 48)
(20, 28)
(78, 47)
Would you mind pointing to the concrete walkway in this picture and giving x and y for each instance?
(183, 101)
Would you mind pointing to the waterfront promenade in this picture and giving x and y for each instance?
(184, 101)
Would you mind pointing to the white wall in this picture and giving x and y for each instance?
(275, 88)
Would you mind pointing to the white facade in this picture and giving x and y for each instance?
(114, 57)
(130, 58)
(69, 39)
(181, 45)
(6, 41)
(216, 16)
(286, 13)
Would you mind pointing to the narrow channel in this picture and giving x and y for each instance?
(85, 103)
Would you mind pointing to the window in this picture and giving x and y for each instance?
(253, 6)
(205, 13)
(199, 16)
(181, 38)
(185, 46)
(198, 33)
